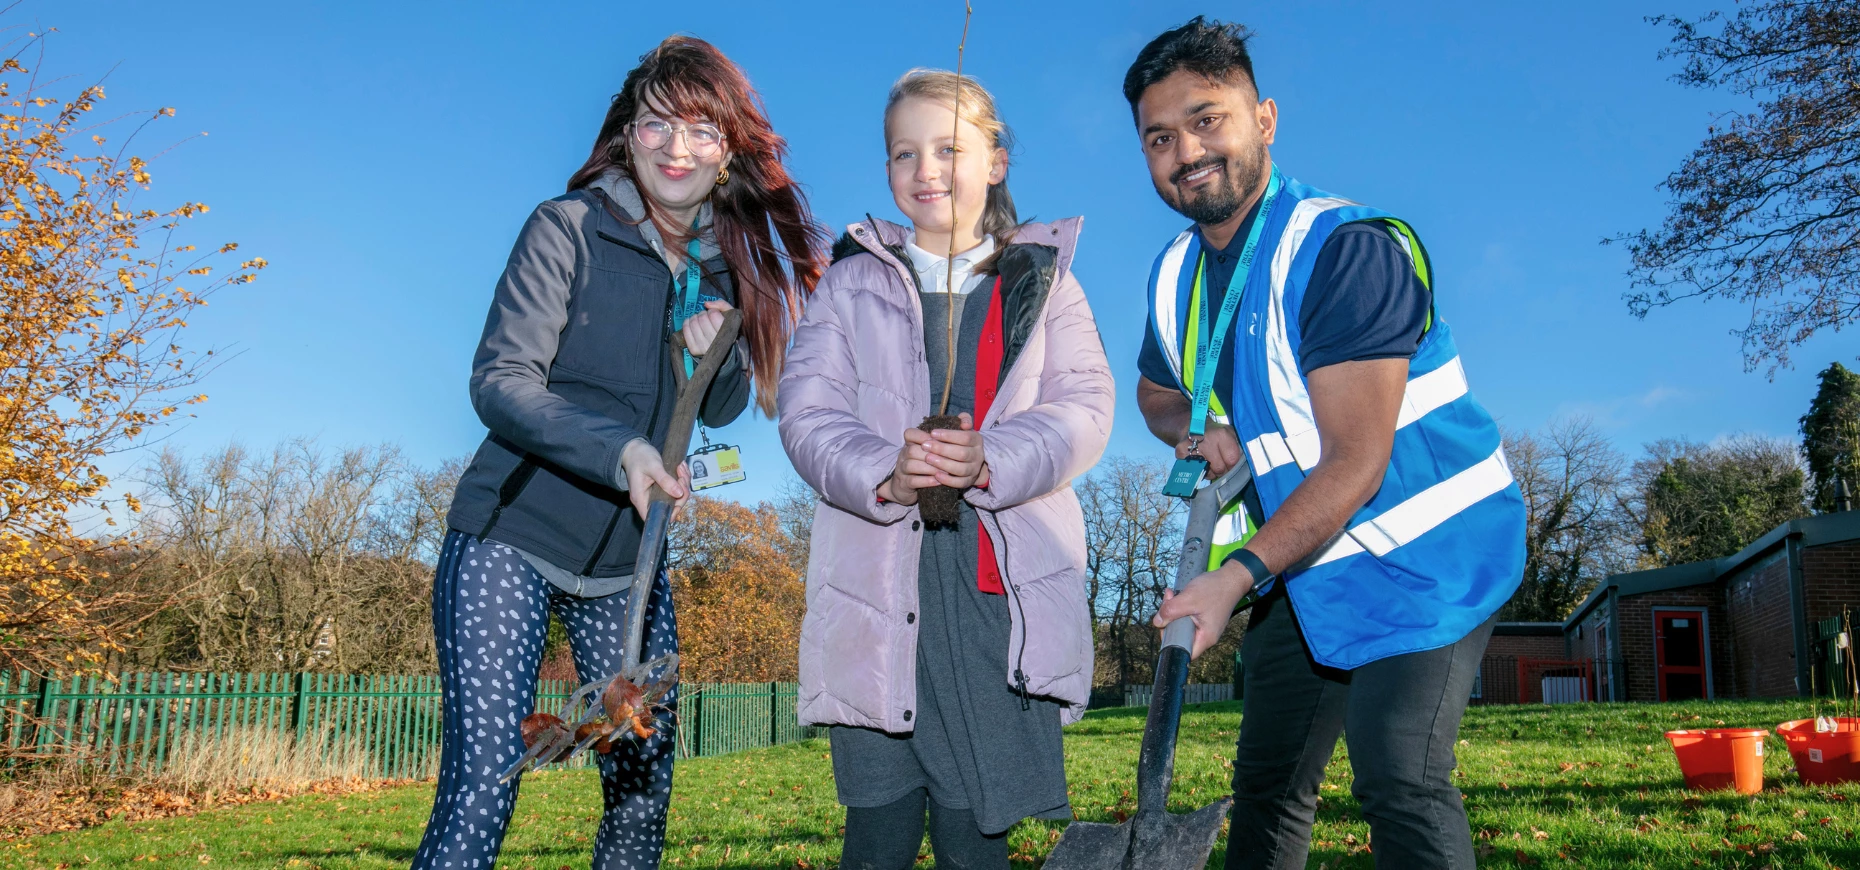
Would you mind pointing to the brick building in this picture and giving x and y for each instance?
(1511, 643)
(1744, 626)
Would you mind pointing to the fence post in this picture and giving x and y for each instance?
(42, 708)
(300, 707)
(772, 717)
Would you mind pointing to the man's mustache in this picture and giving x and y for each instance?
(1182, 172)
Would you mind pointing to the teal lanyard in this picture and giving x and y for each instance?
(1208, 346)
(689, 305)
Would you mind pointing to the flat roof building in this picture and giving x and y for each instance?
(1759, 623)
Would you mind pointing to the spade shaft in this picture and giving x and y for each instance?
(659, 512)
(1153, 838)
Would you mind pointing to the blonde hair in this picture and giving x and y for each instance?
(975, 106)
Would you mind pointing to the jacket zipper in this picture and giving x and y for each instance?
(1020, 655)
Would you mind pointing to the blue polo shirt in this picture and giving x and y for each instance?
(1364, 302)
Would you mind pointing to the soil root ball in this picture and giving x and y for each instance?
(940, 506)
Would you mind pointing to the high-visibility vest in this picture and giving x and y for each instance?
(1440, 547)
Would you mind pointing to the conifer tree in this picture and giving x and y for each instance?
(1831, 436)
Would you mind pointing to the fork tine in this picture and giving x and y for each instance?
(642, 672)
(577, 696)
(590, 740)
(523, 760)
(557, 741)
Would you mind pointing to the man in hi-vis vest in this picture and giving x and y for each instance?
(1295, 330)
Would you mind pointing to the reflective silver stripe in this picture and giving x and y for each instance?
(1424, 394)
(1289, 398)
(1421, 512)
(1267, 452)
(1304, 446)
(1401, 239)
(1436, 389)
(1164, 312)
(1271, 450)
(1230, 528)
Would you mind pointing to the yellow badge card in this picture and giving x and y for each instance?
(716, 466)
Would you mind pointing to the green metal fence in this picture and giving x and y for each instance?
(390, 724)
(728, 717)
(1831, 648)
(1138, 694)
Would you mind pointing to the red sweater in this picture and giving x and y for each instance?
(988, 356)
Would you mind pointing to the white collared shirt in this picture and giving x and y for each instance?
(933, 269)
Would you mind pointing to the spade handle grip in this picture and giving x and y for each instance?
(691, 395)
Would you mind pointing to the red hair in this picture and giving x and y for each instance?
(759, 205)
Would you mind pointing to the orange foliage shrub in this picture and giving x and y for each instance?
(92, 303)
(738, 579)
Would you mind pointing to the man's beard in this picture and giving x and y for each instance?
(1216, 203)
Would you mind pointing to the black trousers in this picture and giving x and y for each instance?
(1400, 716)
(888, 837)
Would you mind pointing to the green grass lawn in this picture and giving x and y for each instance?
(1579, 785)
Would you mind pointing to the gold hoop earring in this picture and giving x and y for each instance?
(723, 176)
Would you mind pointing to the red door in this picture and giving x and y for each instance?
(1679, 653)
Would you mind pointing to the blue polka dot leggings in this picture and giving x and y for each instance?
(490, 615)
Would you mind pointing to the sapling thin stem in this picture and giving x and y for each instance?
(1853, 668)
(1814, 694)
(949, 264)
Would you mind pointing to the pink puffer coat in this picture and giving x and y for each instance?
(854, 381)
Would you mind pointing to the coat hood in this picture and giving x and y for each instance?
(625, 194)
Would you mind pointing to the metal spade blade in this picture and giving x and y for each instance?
(1154, 838)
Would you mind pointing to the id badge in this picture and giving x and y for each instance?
(1184, 476)
(715, 465)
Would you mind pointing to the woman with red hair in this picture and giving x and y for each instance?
(683, 211)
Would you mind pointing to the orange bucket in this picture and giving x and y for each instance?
(1720, 758)
(1826, 757)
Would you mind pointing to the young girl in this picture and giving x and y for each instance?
(667, 225)
(946, 658)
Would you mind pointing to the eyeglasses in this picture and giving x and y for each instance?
(703, 140)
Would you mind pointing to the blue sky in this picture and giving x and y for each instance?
(383, 155)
